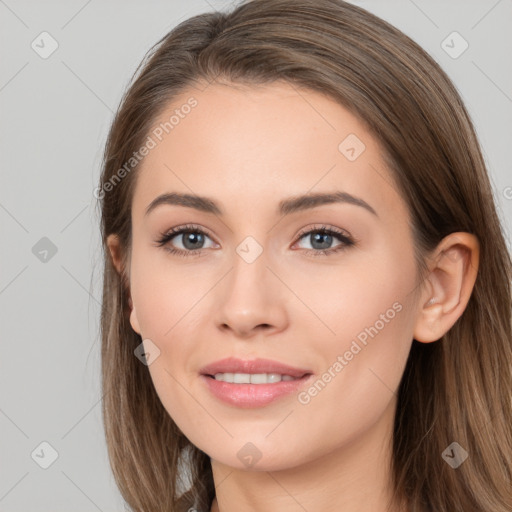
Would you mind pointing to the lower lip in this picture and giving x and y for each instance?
(252, 395)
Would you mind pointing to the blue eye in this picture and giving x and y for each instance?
(323, 237)
(193, 239)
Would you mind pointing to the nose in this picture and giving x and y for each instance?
(251, 300)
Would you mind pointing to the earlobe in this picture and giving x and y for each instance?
(449, 286)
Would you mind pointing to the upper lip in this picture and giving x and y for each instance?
(234, 365)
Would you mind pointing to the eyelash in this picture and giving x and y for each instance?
(347, 241)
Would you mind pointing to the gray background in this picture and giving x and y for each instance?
(55, 113)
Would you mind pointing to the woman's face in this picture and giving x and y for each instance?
(253, 279)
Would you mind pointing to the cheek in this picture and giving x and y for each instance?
(366, 290)
(366, 323)
(364, 364)
(164, 293)
(167, 300)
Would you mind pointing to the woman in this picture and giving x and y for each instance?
(306, 296)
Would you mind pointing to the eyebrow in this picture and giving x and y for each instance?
(285, 207)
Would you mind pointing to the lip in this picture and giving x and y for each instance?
(252, 395)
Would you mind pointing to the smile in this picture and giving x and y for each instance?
(252, 378)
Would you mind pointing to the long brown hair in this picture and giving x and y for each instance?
(412, 108)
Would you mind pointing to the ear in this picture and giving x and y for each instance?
(453, 271)
(134, 322)
(114, 248)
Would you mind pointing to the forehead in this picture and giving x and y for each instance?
(258, 144)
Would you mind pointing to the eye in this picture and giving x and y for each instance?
(321, 239)
(190, 237)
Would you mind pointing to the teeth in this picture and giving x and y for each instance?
(252, 378)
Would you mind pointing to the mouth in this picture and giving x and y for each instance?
(256, 383)
(254, 378)
(243, 371)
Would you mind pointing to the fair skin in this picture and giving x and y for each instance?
(248, 148)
